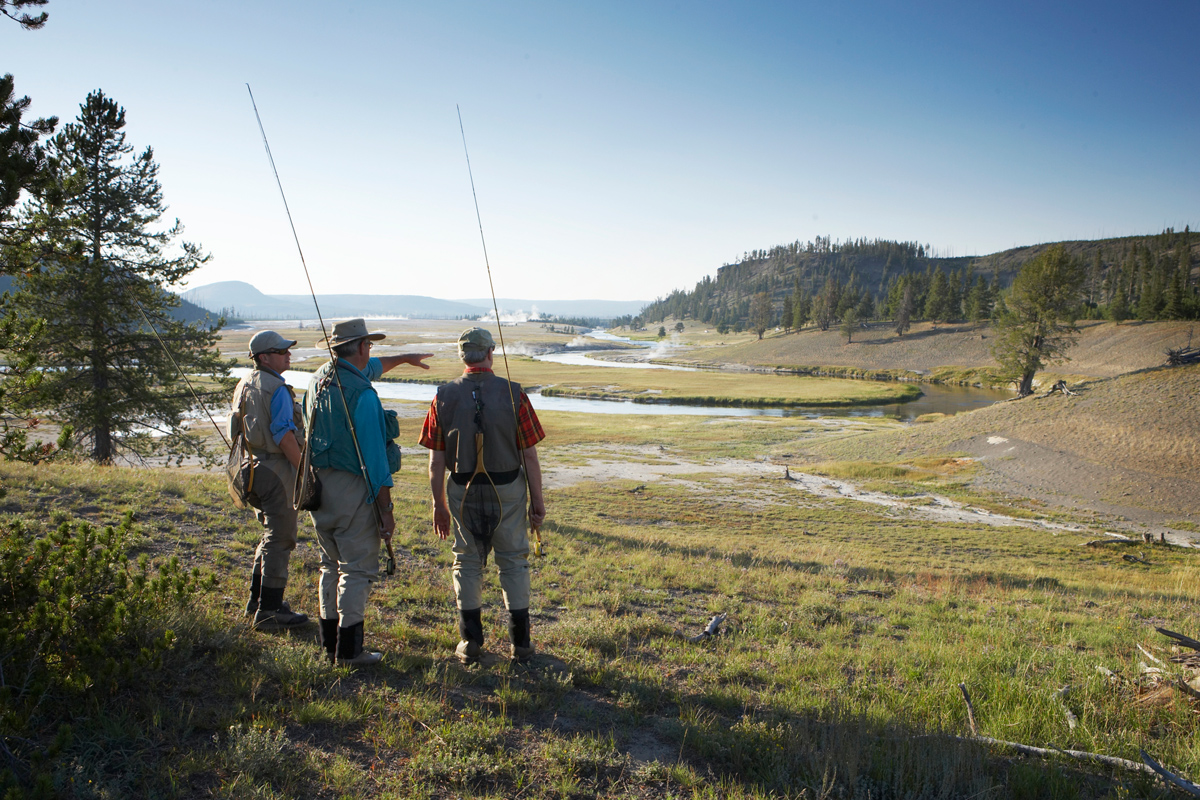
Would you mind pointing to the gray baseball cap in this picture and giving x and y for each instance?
(475, 339)
(263, 341)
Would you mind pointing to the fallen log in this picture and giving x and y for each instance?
(1182, 783)
(1179, 356)
(1186, 641)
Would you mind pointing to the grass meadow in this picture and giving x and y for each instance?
(849, 628)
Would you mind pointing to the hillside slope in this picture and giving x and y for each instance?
(1104, 349)
(1125, 447)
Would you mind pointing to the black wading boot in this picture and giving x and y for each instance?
(329, 637)
(255, 588)
(272, 610)
(518, 634)
(470, 631)
(350, 650)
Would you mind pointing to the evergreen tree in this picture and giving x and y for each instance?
(1037, 325)
(801, 310)
(1118, 307)
(22, 158)
(27, 21)
(936, 301)
(789, 312)
(95, 271)
(826, 304)
(954, 297)
(979, 301)
(760, 313)
(904, 310)
(850, 324)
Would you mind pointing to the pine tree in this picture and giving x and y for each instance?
(936, 299)
(904, 310)
(801, 310)
(96, 277)
(1037, 325)
(850, 324)
(22, 159)
(760, 313)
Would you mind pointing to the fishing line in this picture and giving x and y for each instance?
(328, 345)
(195, 396)
(537, 547)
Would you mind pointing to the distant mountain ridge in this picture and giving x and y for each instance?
(241, 299)
(185, 311)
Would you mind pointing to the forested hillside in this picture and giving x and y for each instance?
(825, 282)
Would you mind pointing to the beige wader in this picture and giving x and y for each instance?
(510, 548)
(348, 535)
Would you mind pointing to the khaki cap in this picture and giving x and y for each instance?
(263, 341)
(349, 330)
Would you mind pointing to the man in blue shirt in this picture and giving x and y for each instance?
(264, 410)
(349, 451)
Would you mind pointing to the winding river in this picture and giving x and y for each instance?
(937, 398)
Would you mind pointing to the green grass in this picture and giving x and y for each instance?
(850, 627)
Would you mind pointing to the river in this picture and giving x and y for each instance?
(936, 399)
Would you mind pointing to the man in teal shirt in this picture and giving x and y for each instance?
(349, 454)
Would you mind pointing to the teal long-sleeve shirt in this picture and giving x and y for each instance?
(370, 428)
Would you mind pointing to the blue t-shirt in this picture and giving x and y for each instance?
(281, 414)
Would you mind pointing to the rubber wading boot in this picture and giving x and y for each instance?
(470, 631)
(329, 637)
(350, 650)
(255, 588)
(272, 611)
(518, 633)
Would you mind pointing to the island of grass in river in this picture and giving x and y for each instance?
(754, 390)
(707, 388)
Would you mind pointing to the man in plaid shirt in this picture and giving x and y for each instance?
(481, 402)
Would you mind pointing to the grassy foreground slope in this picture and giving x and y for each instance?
(836, 674)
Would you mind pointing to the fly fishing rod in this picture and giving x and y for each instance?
(537, 534)
(362, 464)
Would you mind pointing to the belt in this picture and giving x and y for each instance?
(498, 478)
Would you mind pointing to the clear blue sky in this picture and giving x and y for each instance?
(623, 149)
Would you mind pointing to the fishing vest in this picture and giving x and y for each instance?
(456, 417)
(330, 441)
(251, 411)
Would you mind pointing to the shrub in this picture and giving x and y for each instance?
(78, 622)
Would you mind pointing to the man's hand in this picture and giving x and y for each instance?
(388, 363)
(537, 512)
(441, 520)
(383, 502)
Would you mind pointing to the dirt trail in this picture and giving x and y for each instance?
(630, 464)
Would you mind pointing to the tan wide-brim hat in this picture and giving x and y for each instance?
(349, 330)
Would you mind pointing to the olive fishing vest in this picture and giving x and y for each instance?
(330, 440)
(252, 398)
(456, 416)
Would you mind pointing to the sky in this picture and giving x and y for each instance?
(621, 150)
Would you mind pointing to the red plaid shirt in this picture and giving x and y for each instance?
(529, 429)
